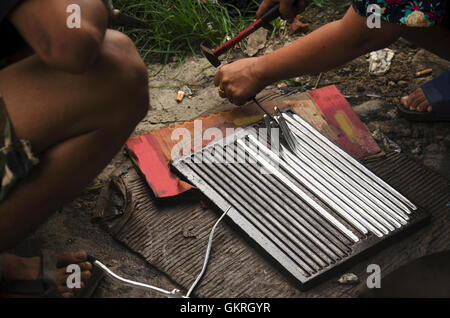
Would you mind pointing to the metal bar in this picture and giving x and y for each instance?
(267, 229)
(391, 211)
(347, 189)
(345, 166)
(349, 198)
(239, 219)
(283, 230)
(264, 110)
(282, 195)
(313, 204)
(285, 131)
(349, 159)
(326, 195)
(298, 226)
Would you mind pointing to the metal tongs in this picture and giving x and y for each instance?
(277, 121)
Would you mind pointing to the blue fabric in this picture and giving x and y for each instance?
(437, 92)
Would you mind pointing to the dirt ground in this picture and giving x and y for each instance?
(374, 98)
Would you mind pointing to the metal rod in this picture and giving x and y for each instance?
(303, 162)
(298, 213)
(313, 204)
(286, 132)
(356, 163)
(293, 242)
(390, 211)
(281, 215)
(264, 110)
(327, 196)
(362, 173)
(351, 200)
(236, 201)
(278, 190)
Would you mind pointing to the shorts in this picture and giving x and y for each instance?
(16, 157)
(412, 13)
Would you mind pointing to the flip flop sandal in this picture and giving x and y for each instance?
(45, 286)
(437, 92)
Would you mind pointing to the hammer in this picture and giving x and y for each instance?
(212, 55)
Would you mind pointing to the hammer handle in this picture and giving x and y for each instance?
(238, 38)
(270, 15)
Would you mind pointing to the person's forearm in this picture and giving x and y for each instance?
(327, 47)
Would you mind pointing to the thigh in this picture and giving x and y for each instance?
(47, 106)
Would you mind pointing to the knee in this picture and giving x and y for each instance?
(127, 76)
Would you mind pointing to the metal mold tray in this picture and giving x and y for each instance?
(314, 211)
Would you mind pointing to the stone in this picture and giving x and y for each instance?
(432, 148)
(416, 151)
(348, 279)
(367, 107)
(298, 26)
(256, 41)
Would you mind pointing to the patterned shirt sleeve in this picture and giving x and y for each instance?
(406, 12)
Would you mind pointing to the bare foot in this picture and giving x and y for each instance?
(416, 101)
(28, 268)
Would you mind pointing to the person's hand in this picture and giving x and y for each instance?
(239, 81)
(288, 8)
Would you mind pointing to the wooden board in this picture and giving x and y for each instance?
(173, 238)
(324, 108)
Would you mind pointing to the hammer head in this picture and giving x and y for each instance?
(209, 54)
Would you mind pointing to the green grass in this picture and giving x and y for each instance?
(178, 27)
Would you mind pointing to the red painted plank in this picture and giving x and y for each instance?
(353, 135)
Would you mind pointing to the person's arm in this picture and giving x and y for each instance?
(327, 47)
(43, 25)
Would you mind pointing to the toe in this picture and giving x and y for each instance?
(422, 105)
(67, 295)
(85, 276)
(413, 100)
(417, 101)
(404, 101)
(67, 258)
(63, 289)
(86, 266)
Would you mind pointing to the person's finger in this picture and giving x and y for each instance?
(67, 258)
(265, 6)
(287, 9)
(217, 78)
(238, 100)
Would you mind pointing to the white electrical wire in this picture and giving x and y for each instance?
(208, 250)
(170, 294)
